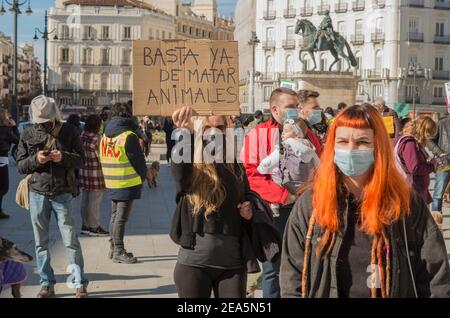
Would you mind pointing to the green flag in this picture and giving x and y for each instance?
(402, 110)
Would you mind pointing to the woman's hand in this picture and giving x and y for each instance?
(246, 210)
(182, 118)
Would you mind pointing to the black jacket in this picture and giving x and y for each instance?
(441, 144)
(426, 247)
(51, 178)
(8, 136)
(259, 239)
(115, 127)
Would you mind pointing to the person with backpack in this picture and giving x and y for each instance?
(49, 152)
(412, 157)
(359, 231)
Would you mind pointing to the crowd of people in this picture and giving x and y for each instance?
(330, 203)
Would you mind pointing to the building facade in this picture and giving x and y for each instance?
(29, 83)
(387, 37)
(90, 65)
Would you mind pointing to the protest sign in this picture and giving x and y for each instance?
(170, 74)
(389, 123)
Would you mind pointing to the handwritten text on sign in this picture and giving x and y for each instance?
(198, 73)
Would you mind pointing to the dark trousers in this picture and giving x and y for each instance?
(4, 183)
(170, 144)
(197, 282)
(119, 217)
(271, 271)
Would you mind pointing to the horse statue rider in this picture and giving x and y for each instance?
(326, 29)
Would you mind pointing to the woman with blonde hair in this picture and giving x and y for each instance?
(8, 135)
(212, 217)
(412, 157)
(359, 231)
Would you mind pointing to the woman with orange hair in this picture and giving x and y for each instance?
(360, 231)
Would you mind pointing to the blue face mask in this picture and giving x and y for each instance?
(354, 163)
(315, 117)
(291, 113)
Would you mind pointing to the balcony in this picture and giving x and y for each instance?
(438, 100)
(442, 5)
(340, 7)
(416, 3)
(442, 39)
(289, 44)
(323, 8)
(357, 39)
(87, 37)
(380, 4)
(290, 13)
(377, 37)
(104, 63)
(66, 63)
(105, 39)
(125, 38)
(65, 37)
(270, 15)
(358, 5)
(267, 77)
(85, 63)
(268, 45)
(306, 11)
(441, 75)
(410, 99)
(125, 63)
(415, 37)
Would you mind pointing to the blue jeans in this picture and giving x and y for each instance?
(271, 271)
(41, 208)
(442, 179)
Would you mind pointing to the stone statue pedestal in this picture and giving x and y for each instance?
(334, 87)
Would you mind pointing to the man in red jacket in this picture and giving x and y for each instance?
(259, 143)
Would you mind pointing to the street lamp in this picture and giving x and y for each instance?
(45, 35)
(254, 41)
(15, 9)
(415, 70)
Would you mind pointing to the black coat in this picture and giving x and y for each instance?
(51, 178)
(8, 136)
(426, 249)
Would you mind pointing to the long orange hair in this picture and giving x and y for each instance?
(386, 196)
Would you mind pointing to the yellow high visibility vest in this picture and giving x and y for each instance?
(116, 167)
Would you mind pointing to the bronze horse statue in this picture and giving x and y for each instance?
(324, 44)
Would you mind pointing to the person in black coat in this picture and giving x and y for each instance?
(214, 224)
(9, 135)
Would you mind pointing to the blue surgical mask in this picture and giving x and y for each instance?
(291, 113)
(354, 163)
(315, 117)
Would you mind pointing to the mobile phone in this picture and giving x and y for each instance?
(47, 153)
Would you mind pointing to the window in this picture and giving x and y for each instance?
(157, 35)
(104, 81)
(105, 32)
(290, 4)
(439, 29)
(126, 82)
(163, 35)
(413, 25)
(379, 25)
(413, 59)
(361, 90)
(184, 29)
(88, 32)
(65, 55)
(65, 101)
(290, 33)
(105, 56)
(150, 34)
(438, 92)
(170, 35)
(126, 57)
(378, 62)
(359, 60)
(270, 5)
(377, 90)
(341, 28)
(269, 34)
(267, 93)
(87, 56)
(65, 32)
(359, 27)
(439, 64)
(87, 101)
(289, 64)
(411, 90)
(66, 79)
(87, 80)
(127, 33)
(269, 64)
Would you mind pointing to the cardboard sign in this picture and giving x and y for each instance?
(170, 74)
(389, 123)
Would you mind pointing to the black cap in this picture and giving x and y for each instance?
(258, 113)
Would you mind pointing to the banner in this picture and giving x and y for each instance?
(170, 74)
(402, 110)
(447, 91)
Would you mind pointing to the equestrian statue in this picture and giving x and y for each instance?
(324, 39)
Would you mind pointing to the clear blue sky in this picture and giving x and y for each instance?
(28, 23)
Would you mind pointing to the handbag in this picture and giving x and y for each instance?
(23, 192)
